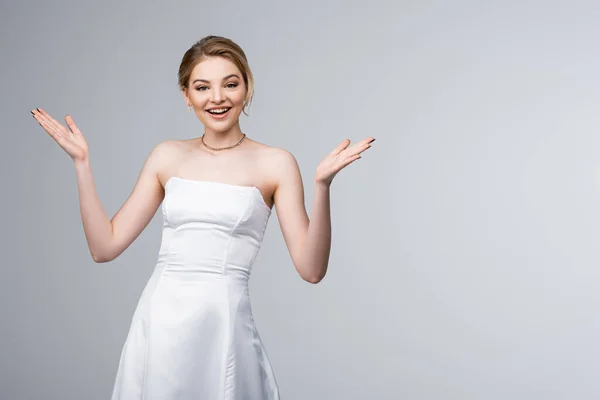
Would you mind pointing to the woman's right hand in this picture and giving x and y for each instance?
(70, 139)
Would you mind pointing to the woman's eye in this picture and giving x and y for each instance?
(231, 85)
(202, 88)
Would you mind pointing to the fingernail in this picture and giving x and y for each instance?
(32, 113)
(38, 109)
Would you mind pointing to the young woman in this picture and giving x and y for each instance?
(192, 335)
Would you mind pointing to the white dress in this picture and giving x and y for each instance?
(192, 336)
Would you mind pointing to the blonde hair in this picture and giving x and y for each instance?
(216, 46)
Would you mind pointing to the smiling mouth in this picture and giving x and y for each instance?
(218, 111)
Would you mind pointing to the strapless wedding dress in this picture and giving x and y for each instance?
(192, 335)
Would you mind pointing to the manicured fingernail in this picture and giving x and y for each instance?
(32, 113)
(38, 109)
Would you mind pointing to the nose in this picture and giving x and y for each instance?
(217, 95)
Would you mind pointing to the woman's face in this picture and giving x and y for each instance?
(216, 92)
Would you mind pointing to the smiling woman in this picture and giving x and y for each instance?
(217, 50)
(192, 335)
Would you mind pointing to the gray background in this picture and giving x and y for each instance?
(465, 259)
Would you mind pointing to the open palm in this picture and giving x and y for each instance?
(70, 139)
(339, 158)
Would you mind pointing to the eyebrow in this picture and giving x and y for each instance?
(227, 77)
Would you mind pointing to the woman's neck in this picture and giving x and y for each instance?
(223, 138)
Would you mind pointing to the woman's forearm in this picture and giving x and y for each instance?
(96, 224)
(317, 243)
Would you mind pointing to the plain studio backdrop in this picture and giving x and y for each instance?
(466, 249)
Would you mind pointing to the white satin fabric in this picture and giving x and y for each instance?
(192, 335)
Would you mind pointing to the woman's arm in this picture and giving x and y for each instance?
(294, 222)
(309, 240)
(107, 239)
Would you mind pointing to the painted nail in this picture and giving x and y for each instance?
(32, 113)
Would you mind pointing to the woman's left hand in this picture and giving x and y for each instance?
(340, 157)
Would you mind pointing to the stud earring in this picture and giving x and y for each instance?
(189, 107)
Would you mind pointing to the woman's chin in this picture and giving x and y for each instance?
(220, 125)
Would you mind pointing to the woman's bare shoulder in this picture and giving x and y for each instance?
(170, 147)
(279, 161)
(171, 150)
(164, 154)
(271, 152)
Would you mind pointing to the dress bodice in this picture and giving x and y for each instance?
(212, 227)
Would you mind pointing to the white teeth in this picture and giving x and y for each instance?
(218, 110)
